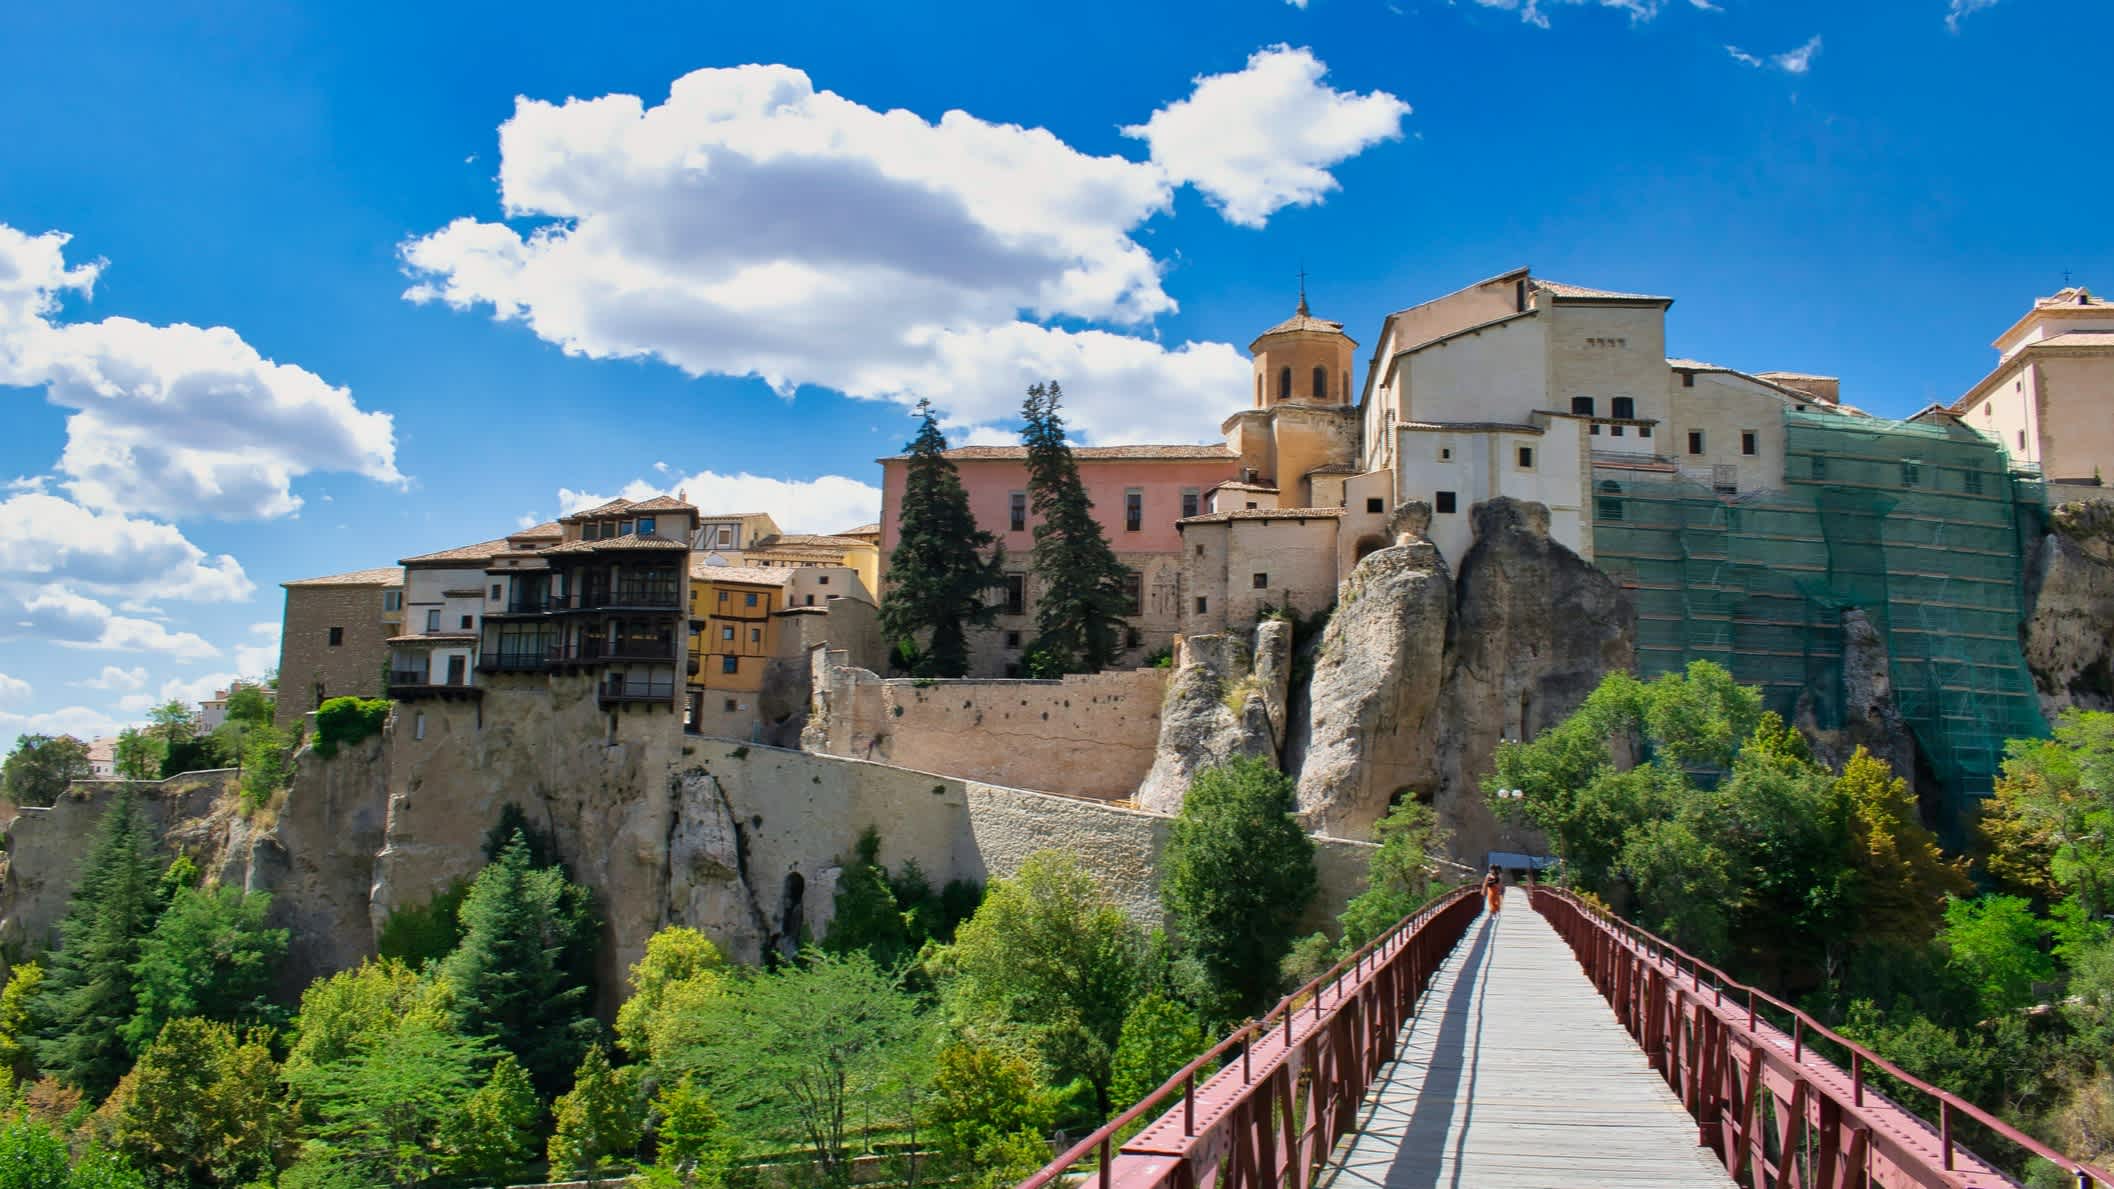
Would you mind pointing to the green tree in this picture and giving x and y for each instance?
(32, 1157)
(811, 1050)
(2050, 827)
(201, 1107)
(267, 763)
(943, 565)
(18, 1051)
(250, 705)
(209, 955)
(87, 998)
(416, 934)
(988, 1109)
(511, 977)
(184, 749)
(1399, 877)
(354, 1010)
(138, 755)
(1236, 877)
(41, 766)
(344, 721)
(1079, 615)
(1903, 878)
(867, 916)
(600, 1120)
(1995, 942)
(494, 1133)
(384, 1105)
(679, 971)
(1160, 1036)
(1048, 958)
(691, 1141)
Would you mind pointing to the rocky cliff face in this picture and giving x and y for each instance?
(1535, 629)
(1226, 701)
(2069, 637)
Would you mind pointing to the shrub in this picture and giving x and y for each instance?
(340, 721)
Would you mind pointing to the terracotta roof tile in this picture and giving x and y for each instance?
(663, 503)
(649, 542)
(703, 571)
(482, 551)
(1559, 289)
(864, 530)
(379, 576)
(1264, 514)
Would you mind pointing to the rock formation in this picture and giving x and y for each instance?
(1370, 732)
(1225, 702)
(1535, 628)
(2069, 636)
(1870, 717)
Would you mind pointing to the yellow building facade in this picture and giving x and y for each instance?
(732, 639)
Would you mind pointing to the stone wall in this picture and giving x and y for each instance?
(1090, 736)
(307, 658)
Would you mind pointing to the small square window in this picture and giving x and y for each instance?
(1695, 441)
(1688, 379)
(497, 592)
(1444, 502)
(337, 637)
(1614, 431)
(1582, 405)
(1445, 454)
(1973, 480)
(722, 596)
(755, 635)
(822, 579)
(731, 705)
(749, 599)
(392, 600)
(730, 664)
(1202, 604)
(1644, 431)
(1262, 581)
(1595, 430)
(646, 526)
(1374, 504)
(1200, 550)
(1624, 407)
(466, 621)
(726, 633)
(1012, 639)
(1526, 456)
(1911, 473)
(1748, 443)
(1251, 505)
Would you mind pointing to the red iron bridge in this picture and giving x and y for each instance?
(1546, 1045)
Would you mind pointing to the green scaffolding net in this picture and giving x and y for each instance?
(1921, 527)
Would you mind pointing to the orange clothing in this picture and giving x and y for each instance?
(1493, 892)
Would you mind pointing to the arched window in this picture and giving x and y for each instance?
(1610, 501)
(1284, 383)
(1321, 383)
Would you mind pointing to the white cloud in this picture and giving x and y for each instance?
(1262, 138)
(72, 620)
(114, 678)
(79, 721)
(752, 225)
(831, 503)
(1961, 8)
(13, 689)
(1742, 56)
(1298, 4)
(46, 539)
(186, 420)
(1531, 12)
(261, 654)
(1800, 60)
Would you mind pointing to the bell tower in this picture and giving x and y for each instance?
(1303, 359)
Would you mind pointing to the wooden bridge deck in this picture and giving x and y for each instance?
(1515, 1075)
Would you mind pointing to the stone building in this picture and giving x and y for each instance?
(2050, 399)
(733, 636)
(446, 597)
(334, 638)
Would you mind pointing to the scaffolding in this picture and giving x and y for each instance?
(1922, 527)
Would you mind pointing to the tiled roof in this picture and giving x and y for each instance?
(630, 542)
(2077, 339)
(379, 576)
(1302, 320)
(621, 507)
(1336, 468)
(1559, 289)
(1467, 427)
(663, 503)
(1264, 514)
(703, 571)
(1131, 453)
(1696, 365)
(482, 551)
(716, 517)
(809, 540)
(549, 528)
(609, 509)
(864, 530)
(1233, 485)
(2076, 297)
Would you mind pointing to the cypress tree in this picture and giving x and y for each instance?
(512, 978)
(1079, 616)
(939, 574)
(87, 995)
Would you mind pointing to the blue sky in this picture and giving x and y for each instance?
(444, 313)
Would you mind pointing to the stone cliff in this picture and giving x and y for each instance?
(1226, 701)
(2069, 636)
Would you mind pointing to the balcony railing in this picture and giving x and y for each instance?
(622, 649)
(638, 689)
(529, 603)
(642, 597)
(515, 662)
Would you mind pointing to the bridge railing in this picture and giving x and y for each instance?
(1774, 1110)
(1266, 1105)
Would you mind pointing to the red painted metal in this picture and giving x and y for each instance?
(1268, 1119)
(1776, 1113)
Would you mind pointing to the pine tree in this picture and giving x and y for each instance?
(1079, 616)
(512, 978)
(599, 1119)
(939, 574)
(87, 995)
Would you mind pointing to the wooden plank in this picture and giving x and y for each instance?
(1515, 1073)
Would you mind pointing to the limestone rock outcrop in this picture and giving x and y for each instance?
(1226, 701)
(1870, 717)
(2069, 637)
(1535, 628)
(1370, 730)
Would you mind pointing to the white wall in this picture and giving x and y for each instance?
(1499, 374)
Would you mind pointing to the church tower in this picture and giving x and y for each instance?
(1298, 440)
(1302, 358)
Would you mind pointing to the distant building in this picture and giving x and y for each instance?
(2050, 399)
(733, 636)
(727, 537)
(213, 711)
(102, 757)
(334, 638)
(859, 555)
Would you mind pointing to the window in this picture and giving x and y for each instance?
(466, 622)
(623, 528)
(1526, 458)
(726, 535)
(1284, 383)
(1133, 592)
(1251, 505)
(1595, 430)
(1688, 379)
(1582, 405)
(1018, 504)
(1644, 431)
(1445, 454)
(1016, 594)
(1202, 605)
(433, 620)
(337, 637)
(1610, 503)
(2022, 439)
(1748, 444)
(1973, 481)
(810, 600)
(1321, 383)
(1444, 502)
(755, 635)
(1131, 637)
(1624, 407)
(392, 600)
(1189, 502)
(730, 664)
(822, 579)
(1012, 639)
(730, 705)
(1261, 580)
(749, 600)
(1820, 467)
(418, 727)
(1695, 441)
(1615, 431)
(498, 592)
(646, 526)
(722, 596)
(1911, 472)
(591, 531)
(1133, 510)
(726, 633)
(1200, 549)
(1375, 504)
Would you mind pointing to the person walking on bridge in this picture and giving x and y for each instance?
(1493, 890)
